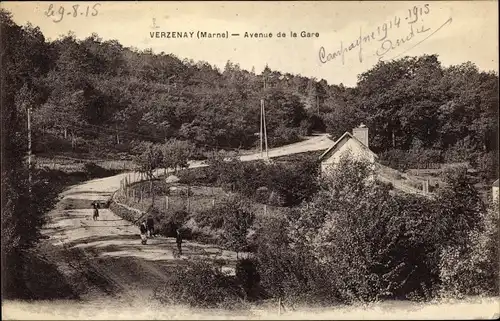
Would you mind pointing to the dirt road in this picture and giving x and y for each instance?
(105, 257)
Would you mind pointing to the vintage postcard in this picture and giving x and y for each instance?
(250, 160)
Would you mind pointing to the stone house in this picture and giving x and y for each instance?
(355, 143)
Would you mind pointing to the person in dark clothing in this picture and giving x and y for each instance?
(150, 224)
(95, 205)
(178, 240)
(143, 228)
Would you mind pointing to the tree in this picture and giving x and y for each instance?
(472, 268)
(295, 182)
(148, 162)
(176, 154)
(363, 235)
(237, 222)
(461, 207)
(25, 201)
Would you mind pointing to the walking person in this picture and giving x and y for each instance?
(143, 228)
(178, 240)
(95, 205)
(150, 224)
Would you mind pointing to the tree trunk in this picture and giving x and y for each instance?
(65, 133)
(73, 141)
(152, 192)
(188, 200)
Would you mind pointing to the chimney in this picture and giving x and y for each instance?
(361, 133)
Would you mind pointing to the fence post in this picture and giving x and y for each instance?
(425, 186)
(213, 202)
(141, 197)
(166, 202)
(265, 209)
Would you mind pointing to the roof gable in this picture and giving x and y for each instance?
(495, 183)
(342, 140)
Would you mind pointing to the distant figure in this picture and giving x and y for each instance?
(178, 240)
(143, 228)
(150, 224)
(95, 205)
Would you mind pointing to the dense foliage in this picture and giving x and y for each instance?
(367, 243)
(279, 183)
(95, 94)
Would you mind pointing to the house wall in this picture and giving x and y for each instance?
(495, 192)
(357, 151)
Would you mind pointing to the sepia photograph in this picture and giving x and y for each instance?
(249, 160)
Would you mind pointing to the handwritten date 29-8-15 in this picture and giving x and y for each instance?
(73, 11)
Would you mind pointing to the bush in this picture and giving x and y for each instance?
(413, 158)
(24, 207)
(363, 235)
(197, 175)
(95, 171)
(473, 269)
(237, 222)
(198, 284)
(283, 135)
(394, 158)
(212, 217)
(463, 151)
(486, 165)
(170, 222)
(285, 272)
(248, 277)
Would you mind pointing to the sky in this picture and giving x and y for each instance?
(352, 35)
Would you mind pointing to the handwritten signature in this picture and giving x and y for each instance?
(388, 45)
(381, 34)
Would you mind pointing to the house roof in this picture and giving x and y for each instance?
(341, 139)
(495, 183)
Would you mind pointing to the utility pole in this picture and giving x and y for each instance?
(261, 124)
(263, 129)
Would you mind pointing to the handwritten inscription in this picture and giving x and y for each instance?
(389, 45)
(381, 35)
(73, 11)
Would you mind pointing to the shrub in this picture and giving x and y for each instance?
(362, 235)
(463, 151)
(472, 269)
(486, 165)
(237, 222)
(95, 171)
(198, 284)
(248, 277)
(170, 222)
(394, 158)
(288, 273)
(212, 217)
(283, 135)
(294, 182)
(197, 175)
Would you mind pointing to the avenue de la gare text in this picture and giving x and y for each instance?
(226, 34)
